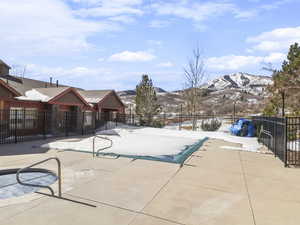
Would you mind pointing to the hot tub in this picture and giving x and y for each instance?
(9, 187)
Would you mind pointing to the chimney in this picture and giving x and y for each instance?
(56, 83)
(50, 81)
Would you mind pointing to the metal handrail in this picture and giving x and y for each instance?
(269, 134)
(101, 149)
(42, 186)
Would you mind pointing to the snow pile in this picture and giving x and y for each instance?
(34, 95)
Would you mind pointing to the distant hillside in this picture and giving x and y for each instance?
(249, 90)
(132, 92)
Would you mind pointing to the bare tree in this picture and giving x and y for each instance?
(194, 74)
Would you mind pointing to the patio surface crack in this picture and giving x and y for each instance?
(247, 189)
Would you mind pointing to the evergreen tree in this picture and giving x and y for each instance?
(146, 101)
(286, 80)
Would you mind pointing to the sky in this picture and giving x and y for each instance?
(109, 44)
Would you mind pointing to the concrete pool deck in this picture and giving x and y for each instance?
(216, 186)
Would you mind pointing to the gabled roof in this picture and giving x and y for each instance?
(94, 96)
(15, 92)
(51, 92)
(50, 95)
(67, 90)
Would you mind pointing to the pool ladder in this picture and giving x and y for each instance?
(101, 149)
(38, 185)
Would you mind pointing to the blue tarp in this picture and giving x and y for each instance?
(243, 127)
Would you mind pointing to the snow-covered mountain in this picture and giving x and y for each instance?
(252, 83)
(249, 89)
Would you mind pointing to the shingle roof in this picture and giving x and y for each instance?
(94, 96)
(25, 84)
(42, 94)
(51, 92)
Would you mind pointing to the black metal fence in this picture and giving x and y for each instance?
(281, 136)
(25, 124)
(17, 125)
(181, 121)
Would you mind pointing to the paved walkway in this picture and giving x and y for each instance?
(215, 187)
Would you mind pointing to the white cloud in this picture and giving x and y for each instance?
(275, 57)
(165, 64)
(92, 77)
(237, 62)
(39, 71)
(195, 11)
(128, 56)
(276, 4)
(199, 11)
(100, 8)
(123, 19)
(30, 27)
(275, 40)
(159, 23)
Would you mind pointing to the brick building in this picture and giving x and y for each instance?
(22, 100)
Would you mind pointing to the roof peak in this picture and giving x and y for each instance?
(3, 63)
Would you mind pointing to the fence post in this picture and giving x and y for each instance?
(116, 119)
(82, 123)
(94, 121)
(44, 124)
(274, 139)
(133, 123)
(285, 141)
(180, 117)
(15, 126)
(66, 124)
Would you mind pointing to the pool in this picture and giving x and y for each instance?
(9, 187)
(176, 158)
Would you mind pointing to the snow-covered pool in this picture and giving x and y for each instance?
(9, 187)
(149, 143)
(178, 158)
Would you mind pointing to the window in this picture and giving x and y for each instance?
(23, 118)
(16, 117)
(31, 118)
(88, 118)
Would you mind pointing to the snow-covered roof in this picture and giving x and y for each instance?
(42, 94)
(94, 96)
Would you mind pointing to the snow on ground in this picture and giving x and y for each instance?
(294, 145)
(145, 141)
(248, 143)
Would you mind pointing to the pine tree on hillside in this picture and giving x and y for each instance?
(287, 81)
(146, 101)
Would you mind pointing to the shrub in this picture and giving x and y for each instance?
(211, 124)
(157, 124)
